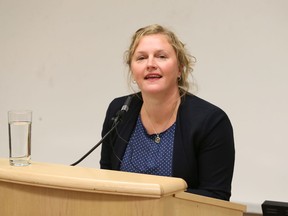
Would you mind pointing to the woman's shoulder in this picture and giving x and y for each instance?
(119, 101)
(202, 115)
(195, 101)
(200, 107)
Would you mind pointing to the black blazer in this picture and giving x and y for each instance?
(203, 153)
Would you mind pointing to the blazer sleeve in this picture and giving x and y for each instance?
(107, 148)
(216, 156)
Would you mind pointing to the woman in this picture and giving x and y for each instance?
(169, 131)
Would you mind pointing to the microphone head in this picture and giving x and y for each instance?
(124, 109)
(126, 104)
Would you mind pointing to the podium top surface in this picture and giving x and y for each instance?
(90, 179)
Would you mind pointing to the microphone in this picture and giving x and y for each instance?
(124, 109)
(116, 120)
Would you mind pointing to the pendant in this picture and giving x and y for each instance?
(157, 139)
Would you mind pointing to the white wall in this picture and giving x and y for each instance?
(64, 60)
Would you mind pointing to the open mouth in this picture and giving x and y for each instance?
(152, 76)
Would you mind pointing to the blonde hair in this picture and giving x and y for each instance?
(185, 60)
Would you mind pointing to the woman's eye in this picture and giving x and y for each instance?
(139, 58)
(162, 57)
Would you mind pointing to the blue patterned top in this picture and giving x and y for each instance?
(144, 155)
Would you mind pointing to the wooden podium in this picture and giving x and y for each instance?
(49, 189)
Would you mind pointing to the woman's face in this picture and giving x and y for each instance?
(154, 65)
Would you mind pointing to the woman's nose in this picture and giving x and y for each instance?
(151, 64)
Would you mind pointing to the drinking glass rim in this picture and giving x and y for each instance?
(20, 111)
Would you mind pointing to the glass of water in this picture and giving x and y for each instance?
(20, 125)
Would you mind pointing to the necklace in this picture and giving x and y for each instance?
(157, 138)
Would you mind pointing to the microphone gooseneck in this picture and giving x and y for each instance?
(116, 120)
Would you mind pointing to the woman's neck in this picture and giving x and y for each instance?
(159, 113)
